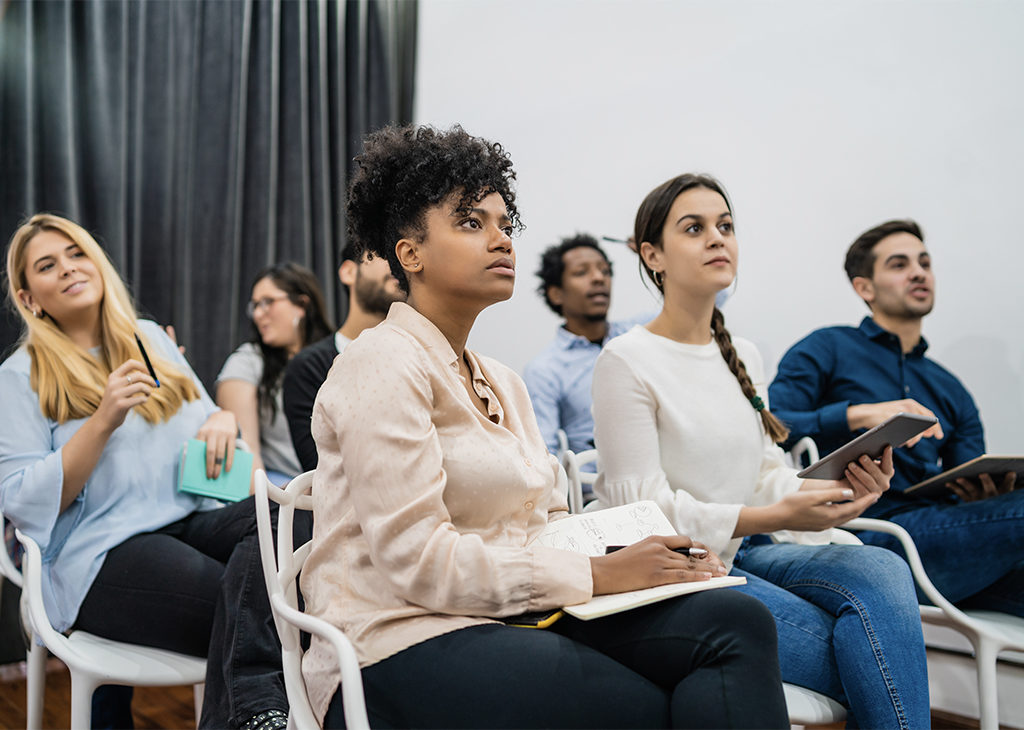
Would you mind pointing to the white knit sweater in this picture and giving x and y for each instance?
(672, 425)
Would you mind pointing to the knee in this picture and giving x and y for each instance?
(885, 578)
(743, 616)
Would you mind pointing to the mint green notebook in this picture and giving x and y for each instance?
(230, 486)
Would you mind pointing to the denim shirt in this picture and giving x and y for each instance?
(559, 380)
(835, 367)
(131, 490)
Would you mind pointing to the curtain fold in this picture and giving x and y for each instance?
(198, 140)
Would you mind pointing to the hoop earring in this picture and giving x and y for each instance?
(659, 279)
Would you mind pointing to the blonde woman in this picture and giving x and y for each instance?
(89, 448)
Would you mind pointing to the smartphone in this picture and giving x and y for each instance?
(892, 432)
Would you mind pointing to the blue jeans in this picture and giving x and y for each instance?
(973, 552)
(849, 627)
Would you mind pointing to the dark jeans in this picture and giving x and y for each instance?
(703, 661)
(973, 552)
(196, 587)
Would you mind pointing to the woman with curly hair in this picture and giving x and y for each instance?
(434, 481)
(287, 310)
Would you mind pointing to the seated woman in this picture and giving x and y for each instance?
(287, 311)
(434, 481)
(681, 419)
(89, 453)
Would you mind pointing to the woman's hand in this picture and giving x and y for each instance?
(219, 433)
(867, 476)
(652, 562)
(814, 507)
(128, 385)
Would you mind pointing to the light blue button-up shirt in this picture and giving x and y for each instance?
(559, 379)
(132, 489)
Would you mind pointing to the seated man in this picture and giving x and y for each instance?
(576, 280)
(371, 291)
(838, 381)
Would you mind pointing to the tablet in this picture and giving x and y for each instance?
(997, 466)
(893, 432)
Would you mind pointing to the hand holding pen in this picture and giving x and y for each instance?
(655, 560)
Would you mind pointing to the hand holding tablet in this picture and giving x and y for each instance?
(894, 432)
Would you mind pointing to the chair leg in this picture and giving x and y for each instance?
(198, 691)
(35, 685)
(82, 687)
(985, 654)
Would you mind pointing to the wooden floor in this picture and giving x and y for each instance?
(152, 707)
(172, 707)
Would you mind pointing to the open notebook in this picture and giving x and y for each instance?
(591, 533)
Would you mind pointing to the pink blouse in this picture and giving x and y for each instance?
(425, 510)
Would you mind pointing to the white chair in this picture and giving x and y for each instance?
(35, 654)
(573, 464)
(988, 632)
(92, 660)
(563, 443)
(280, 574)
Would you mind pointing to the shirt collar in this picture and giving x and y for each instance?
(568, 341)
(424, 331)
(874, 332)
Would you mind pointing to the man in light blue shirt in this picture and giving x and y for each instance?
(576, 279)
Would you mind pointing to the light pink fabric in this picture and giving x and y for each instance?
(425, 509)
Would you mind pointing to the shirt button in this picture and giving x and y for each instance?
(528, 505)
(527, 462)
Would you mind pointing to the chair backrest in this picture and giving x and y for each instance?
(8, 569)
(573, 464)
(803, 447)
(33, 611)
(280, 574)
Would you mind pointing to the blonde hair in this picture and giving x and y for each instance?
(69, 381)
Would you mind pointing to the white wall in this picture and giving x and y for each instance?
(822, 118)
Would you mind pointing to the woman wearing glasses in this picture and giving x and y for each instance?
(287, 312)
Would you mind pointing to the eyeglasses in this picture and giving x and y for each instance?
(261, 304)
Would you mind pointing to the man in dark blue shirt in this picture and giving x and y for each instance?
(838, 381)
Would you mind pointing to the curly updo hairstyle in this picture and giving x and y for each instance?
(404, 171)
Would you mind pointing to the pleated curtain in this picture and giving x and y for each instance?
(198, 140)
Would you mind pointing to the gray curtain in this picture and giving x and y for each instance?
(198, 140)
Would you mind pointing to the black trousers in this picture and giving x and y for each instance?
(196, 587)
(706, 660)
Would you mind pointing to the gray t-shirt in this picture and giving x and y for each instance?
(246, 364)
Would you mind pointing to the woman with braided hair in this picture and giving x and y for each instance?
(681, 417)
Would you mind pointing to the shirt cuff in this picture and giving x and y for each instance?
(832, 419)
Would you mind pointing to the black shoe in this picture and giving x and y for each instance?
(267, 720)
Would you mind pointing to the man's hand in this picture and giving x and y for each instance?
(974, 491)
(869, 415)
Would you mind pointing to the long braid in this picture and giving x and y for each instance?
(772, 425)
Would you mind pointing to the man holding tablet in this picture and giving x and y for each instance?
(838, 381)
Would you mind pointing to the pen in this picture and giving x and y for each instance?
(145, 357)
(693, 552)
(611, 239)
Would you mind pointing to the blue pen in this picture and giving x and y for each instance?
(145, 357)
